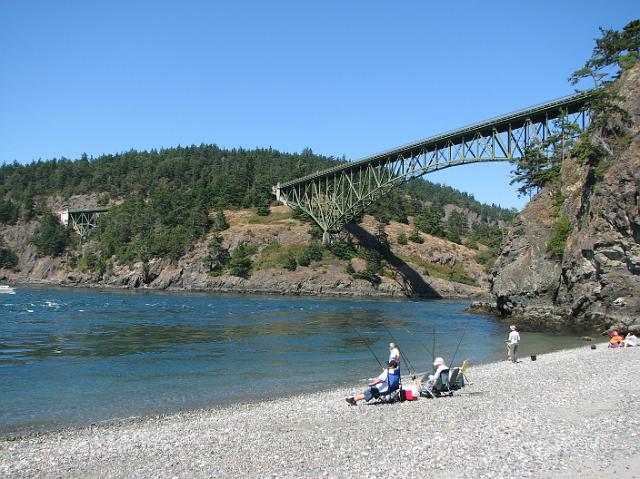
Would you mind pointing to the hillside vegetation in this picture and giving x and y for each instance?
(163, 202)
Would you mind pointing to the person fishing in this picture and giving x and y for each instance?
(388, 381)
(512, 342)
(440, 366)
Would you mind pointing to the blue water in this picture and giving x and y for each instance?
(71, 357)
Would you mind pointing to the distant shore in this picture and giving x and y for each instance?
(321, 293)
(570, 414)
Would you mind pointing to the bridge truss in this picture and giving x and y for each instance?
(81, 220)
(335, 196)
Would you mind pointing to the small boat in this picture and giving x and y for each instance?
(6, 289)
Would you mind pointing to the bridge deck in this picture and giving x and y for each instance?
(88, 210)
(569, 104)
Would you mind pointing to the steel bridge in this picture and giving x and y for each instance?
(335, 196)
(81, 220)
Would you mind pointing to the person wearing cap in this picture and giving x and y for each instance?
(615, 340)
(394, 353)
(513, 341)
(440, 366)
(386, 382)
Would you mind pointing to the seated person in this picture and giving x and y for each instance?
(440, 366)
(629, 340)
(386, 382)
(615, 340)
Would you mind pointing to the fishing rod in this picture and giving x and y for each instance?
(411, 368)
(420, 343)
(464, 330)
(368, 347)
(433, 350)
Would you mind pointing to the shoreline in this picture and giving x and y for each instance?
(548, 418)
(328, 293)
(229, 403)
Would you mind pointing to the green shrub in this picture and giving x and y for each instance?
(367, 276)
(290, 262)
(343, 249)
(402, 239)
(8, 259)
(415, 237)
(311, 253)
(558, 240)
(263, 210)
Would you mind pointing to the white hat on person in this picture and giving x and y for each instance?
(438, 362)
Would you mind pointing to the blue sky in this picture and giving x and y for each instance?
(341, 77)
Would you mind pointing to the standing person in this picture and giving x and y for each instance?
(394, 353)
(513, 341)
(386, 382)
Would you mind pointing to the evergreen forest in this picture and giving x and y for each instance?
(166, 199)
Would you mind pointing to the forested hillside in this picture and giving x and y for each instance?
(162, 201)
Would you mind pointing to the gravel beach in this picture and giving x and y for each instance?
(573, 413)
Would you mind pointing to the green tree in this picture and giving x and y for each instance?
(457, 226)
(618, 49)
(220, 222)
(542, 160)
(240, 261)
(8, 259)
(8, 212)
(218, 256)
(430, 221)
(52, 237)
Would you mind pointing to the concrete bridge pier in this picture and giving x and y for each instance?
(326, 238)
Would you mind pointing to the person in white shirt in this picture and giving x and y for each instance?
(394, 353)
(630, 340)
(513, 341)
(440, 366)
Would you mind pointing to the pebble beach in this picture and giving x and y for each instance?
(569, 414)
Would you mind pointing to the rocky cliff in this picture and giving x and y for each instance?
(596, 283)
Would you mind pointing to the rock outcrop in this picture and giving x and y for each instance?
(597, 281)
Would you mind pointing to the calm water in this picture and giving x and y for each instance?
(71, 357)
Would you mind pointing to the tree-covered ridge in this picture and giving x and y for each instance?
(218, 177)
(162, 201)
(214, 177)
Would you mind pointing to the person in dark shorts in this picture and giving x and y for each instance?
(386, 382)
